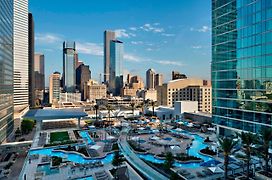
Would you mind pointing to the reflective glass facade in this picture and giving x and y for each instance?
(69, 66)
(242, 64)
(6, 68)
(116, 66)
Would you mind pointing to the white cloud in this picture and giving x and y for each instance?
(123, 33)
(90, 48)
(150, 28)
(149, 49)
(197, 47)
(169, 62)
(47, 38)
(156, 24)
(202, 29)
(133, 28)
(136, 42)
(168, 35)
(131, 58)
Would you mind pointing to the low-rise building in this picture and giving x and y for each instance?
(148, 94)
(70, 97)
(186, 90)
(93, 90)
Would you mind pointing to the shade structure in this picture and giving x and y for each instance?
(210, 163)
(216, 169)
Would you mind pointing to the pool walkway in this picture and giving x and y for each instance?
(139, 164)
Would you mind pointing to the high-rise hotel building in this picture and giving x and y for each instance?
(108, 37)
(69, 66)
(242, 64)
(6, 69)
(20, 51)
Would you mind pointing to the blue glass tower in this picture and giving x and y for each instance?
(242, 64)
(116, 66)
(69, 66)
(6, 69)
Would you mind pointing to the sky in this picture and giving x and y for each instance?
(160, 34)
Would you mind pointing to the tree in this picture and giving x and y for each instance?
(153, 103)
(132, 107)
(27, 125)
(227, 146)
(169, 160)
(96, 107)
(117, 159)
(248, 140)
(264, 140)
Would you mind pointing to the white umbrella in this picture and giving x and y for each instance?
(216, 169)
(175, 148)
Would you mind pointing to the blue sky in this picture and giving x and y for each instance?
(160, 34)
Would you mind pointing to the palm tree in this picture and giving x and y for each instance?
(248, 140)
(153, 103)
(132, 107)
(264, 141)
(96, 107)
(226, 145)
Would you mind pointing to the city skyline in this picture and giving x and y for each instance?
(159, 41)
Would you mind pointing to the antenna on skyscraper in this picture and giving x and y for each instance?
(100, 78)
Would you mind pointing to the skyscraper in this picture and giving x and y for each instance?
(54, 87)
(69, 66)
(108, 36)
(6, 69)
(31, 51)
(20, 51)
(150, 79)
(242, 65)
(83, 75)
(178, 75)
(39, 76)
(116, 66)
(158, 79)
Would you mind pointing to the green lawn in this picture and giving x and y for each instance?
(59, 136)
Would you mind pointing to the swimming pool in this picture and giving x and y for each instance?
(47, 169)
(197, 145)
(71, 156)
(86, 136)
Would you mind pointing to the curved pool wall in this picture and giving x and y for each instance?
(86, 135)
(71, 156)
(197, 145)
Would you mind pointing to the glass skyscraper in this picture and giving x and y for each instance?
(116, 66)
(6, 68)
(69, 66)
(242, 64)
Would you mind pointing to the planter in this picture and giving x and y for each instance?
(259, 175)
(212, 156)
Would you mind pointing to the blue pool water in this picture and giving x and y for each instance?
(71, 156)
(46, 168)
(141, 141)
(85, 135)
(86, 178)
(197, 145)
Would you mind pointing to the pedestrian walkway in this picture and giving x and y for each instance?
(139, 164)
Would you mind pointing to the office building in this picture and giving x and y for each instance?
(66, 97)
(83, 74)
(134, 84)
(186, 90)
(158, 80)
(150, 79)
(39, 82)
(178, 75)
(241, 65)
(6, 69)
(31, 52)
(20, 53)
(69, 66)
(93, 90)
(108, 37)
(54, 87)
(148, 94)
(116, 66)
